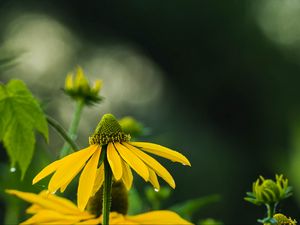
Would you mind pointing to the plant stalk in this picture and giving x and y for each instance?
(106, 192)
(73, 128)
(62, 132)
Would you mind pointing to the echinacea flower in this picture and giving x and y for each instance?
(122, 155)
(51, 209)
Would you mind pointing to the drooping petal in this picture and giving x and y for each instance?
(133, 161)
(114, 161)
(99, 179)
(87, 180)
(155, 165)
(162, 151)
(41, 201)
(67, 204)
(91, 222)
(127, 177)
(46, 171)
(64, 186)
(48, 216)
(33, 209)
(70, 166)
(153, 179)
(158, 217)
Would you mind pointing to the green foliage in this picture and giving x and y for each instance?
(135, 202)
(188, 208)
(20, 115)
(156, 198)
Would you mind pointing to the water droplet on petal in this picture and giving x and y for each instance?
(53, 192)
(183, 164)
(12, 169)
(156, 189)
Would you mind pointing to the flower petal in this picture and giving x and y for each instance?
(155, 165)
(153, 179)
(158, 217)
(127, 177)
(87, 180)
(41, 201)
(63, 187)
(162, 151)
(46, 171)
(99, 179)
(49, 216)
(114, 161)
(67, 204)
(70, 166)
(133, 161)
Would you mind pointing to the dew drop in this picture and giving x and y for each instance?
(156, 190)
(53, 192)
(12, 169)
(183, 164)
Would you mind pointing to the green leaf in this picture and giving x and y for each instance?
(20, 116)
(188, 208)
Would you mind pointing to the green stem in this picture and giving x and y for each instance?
(73, 127)
(12, 212)
(106, 192)
(62, 132)
(271, 208)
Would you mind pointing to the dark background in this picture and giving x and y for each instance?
(231, 93)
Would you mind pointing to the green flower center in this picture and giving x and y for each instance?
(108, 130)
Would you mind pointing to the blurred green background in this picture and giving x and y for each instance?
(217, 80)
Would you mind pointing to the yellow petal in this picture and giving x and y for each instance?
(99, 179)
(46, 171)
(67, 204)
(153, 179)
(49, 216)
(91, 222)
(33, 209)
(163, 152)
(158, 217)
(114, 161)
(127, 177)
(151, 162)
(87, 180)
(69, 167)
(63, 187)
(41, 201)
(133, 161)
(69, 81)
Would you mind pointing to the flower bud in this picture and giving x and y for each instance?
(267, 191)
(77, 87)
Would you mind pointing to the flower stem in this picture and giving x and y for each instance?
(62, 132)
(106, 192)
(271, 208)
(73, 127)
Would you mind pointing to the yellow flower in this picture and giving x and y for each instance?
(78, 88)
(121, 154)
(51, 209)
